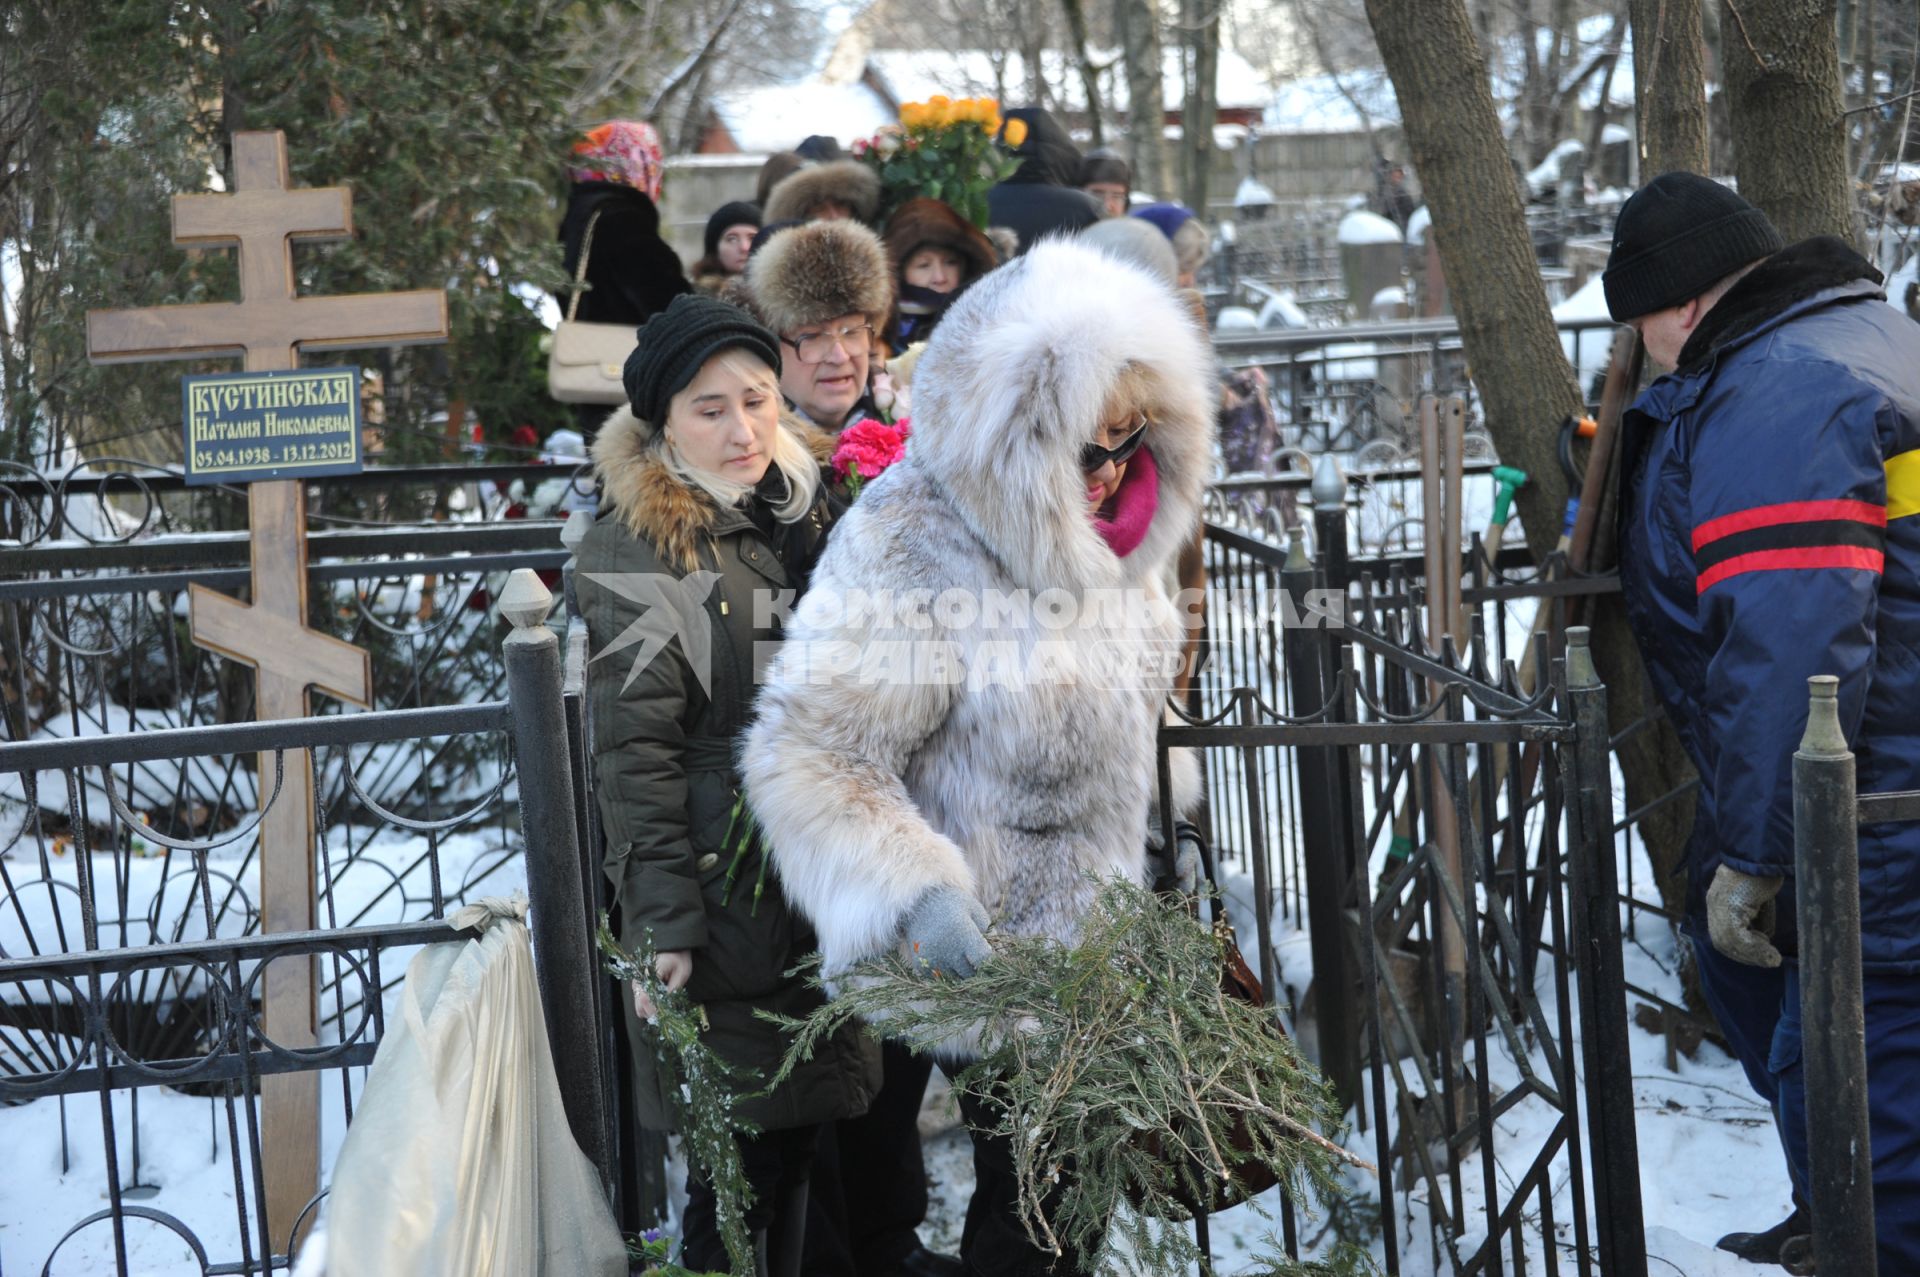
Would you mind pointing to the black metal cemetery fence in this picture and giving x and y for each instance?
(1353, 389)
(95, 639)
(118, 500)
(1443, 840)
(131, 961)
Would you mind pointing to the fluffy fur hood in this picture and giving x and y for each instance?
(876, 784)
(652, 502)
(817, 272)
(1012, 386)
(847, 182)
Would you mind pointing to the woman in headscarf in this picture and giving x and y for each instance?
(613, 221)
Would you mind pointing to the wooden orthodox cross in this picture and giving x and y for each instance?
(270, 325)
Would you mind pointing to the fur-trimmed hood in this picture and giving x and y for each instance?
(846, 182)
(998, 758)
(814, 273)
(1012, 386)
(652, 502)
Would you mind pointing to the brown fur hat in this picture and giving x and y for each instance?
(817, 272)
(928, 223)
(779, 166)
(847, 182)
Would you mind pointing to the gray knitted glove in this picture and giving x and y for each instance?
(945, 933)
(1740, 916)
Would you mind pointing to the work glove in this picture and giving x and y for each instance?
(675, 968)
(1740, 916)
(945, 932)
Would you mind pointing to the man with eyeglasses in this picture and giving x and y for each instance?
(825, 288)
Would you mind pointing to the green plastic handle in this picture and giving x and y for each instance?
(1510, 480)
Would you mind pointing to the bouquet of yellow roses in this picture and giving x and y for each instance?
(945, 150)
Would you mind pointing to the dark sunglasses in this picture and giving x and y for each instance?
(1093, 456)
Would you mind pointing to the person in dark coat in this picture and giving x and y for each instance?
(708, 489)
(729, 238)
(631, 272)
(1109, 179)
(1769, 488)
(936, 254)
(1043, 196)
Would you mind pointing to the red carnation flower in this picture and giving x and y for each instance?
(866, 448)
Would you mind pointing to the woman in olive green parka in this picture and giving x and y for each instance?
(707, 528)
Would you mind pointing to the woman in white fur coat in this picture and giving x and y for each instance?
(924, 769)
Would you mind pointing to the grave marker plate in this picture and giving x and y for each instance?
(271, 425)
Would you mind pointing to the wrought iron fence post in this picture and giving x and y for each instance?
(1322, 837)
(1613, 1144)
(563, 947)
(1833, 1051)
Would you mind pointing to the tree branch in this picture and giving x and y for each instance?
(696, 60)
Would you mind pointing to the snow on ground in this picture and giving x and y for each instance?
(184, 1166)
(1709, 1158)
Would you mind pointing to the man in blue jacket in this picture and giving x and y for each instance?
(1768, 534)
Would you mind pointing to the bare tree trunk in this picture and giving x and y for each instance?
(1076, 15)
(1782, 73)
(1138, 22)
(1454, 140)
(1202, 29)
(1670, 86)
(1603, 77)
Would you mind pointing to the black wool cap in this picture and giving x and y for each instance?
(727, 216)
(676, 343)
(1677, 237)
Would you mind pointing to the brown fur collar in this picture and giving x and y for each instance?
(652, 502)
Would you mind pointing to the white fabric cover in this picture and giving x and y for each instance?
(459, 1162)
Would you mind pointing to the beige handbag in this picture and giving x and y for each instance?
(586, 360)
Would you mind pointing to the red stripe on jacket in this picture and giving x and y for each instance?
(1824, 556)
(1767, 516)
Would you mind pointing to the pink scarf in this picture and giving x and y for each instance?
(1133, 506)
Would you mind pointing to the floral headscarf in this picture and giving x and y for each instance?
(623, 151)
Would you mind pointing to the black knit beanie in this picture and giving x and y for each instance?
(676, 343)
(1677, 237)
(736, 213)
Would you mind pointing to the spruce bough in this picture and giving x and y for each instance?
(1121, 1065)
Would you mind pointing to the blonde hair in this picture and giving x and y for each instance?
(788, 454)
(1134, 390)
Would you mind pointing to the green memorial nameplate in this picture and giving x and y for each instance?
(296, 424)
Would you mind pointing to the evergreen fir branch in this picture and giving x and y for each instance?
(703, 1092)
(1119, 1067)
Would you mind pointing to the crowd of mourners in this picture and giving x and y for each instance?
(1054, 373)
